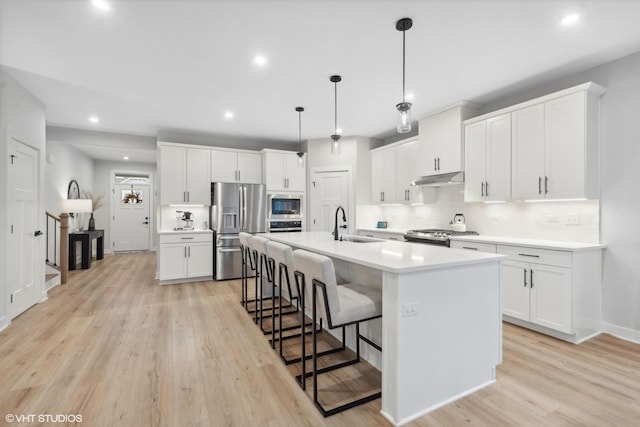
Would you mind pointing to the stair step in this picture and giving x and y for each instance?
(50, 276)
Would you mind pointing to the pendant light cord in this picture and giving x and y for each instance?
(300, 129)
(335, 85)
(403, 59)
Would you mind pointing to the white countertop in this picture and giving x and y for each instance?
(387, 255)
(201, 231)
(532, 243)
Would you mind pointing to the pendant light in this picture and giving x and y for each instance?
(404, 108)
(300, 153)
(335, 138)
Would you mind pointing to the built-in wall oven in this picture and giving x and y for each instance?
(285, 212)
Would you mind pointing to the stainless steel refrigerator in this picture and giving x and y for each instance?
(234, 208)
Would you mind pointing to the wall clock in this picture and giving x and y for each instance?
(73, 192)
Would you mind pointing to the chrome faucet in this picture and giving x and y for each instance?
(335, 224)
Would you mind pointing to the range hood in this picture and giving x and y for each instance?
(441, 180)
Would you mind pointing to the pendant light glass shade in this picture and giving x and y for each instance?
(300, 153)
(404, 108)
(335, 138)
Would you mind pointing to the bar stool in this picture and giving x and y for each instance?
(280, 258)
(258, 245)
(246, 253)
(340, 306)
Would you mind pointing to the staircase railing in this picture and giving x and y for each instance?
(57, 243)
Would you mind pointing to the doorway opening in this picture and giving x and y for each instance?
(131, 201)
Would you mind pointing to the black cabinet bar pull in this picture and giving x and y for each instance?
(467, 247)
(525, 277)
(531, 277)
(529, 255)
(486, 189)
(546, 184)
(482, 189)
(539, 185)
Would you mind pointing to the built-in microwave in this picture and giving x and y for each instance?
(285, 206)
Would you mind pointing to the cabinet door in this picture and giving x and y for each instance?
(224, 166)
(527, 157)
(498, 160)
(200, 259)
(250, 168)
(404, 172)
(274, 172)
(428, 147)
(565, 147)
(475, 161)
(449, 141)
(173, 177)
(515, 289)
(198, 176)
(551, 297)
(383, 176)
(173, 261)
(295, 173)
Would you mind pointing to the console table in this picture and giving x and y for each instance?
(85, 238)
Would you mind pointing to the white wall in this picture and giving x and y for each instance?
(25, 115)
(64, 163)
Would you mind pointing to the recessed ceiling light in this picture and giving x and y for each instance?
(101, 4)
(93, 119)
(126, 157)
(570, 19)
(228, 115)
(260, 60)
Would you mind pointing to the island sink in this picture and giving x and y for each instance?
(358, 239)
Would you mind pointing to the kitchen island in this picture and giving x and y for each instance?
(441, 326)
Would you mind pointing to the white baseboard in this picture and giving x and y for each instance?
(623, 333)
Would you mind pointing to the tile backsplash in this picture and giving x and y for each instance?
(576, 221)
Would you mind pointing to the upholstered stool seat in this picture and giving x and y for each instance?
(339, 306)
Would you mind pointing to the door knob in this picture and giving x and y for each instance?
(37, 233)
(145, 222)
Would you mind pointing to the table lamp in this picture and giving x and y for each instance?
(73, 206)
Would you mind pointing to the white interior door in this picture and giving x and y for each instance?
(23, 201)
(130, 225)
(328, 190)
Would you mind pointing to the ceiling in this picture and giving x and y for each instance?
(145, 66)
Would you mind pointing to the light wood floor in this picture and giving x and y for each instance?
(118, 349)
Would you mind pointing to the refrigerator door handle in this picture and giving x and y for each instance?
(244, 208)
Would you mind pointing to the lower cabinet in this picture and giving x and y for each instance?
(382, 235)
(556, 292)
(184, 256)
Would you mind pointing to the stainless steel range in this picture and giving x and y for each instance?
(435, 236)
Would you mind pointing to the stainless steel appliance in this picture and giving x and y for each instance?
(285, 206)
(234, 208)
(284, 226)
(435, 236)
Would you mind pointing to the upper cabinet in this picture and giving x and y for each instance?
(392, 170)
(236, 166)
(550, 142)
(440, 144)
(184, 175)
(283, 171)
(555, 148)
(488, 159)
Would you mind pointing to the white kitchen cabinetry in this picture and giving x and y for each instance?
(488, 159)
(554, 289)
(236, 166)
(440, 147)
(393, 168)
(555, 147)
(184, 175)
(185, 256)
(283, 172)
(384, 175)
(382, 235)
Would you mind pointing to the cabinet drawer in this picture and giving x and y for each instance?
(537, 256)
(474, 246)
(185, 238)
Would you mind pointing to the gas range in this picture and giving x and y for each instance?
(435, 236)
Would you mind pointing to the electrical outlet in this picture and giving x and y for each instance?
(410, 309)
(572, 220)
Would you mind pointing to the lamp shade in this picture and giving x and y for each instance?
(77, 205)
